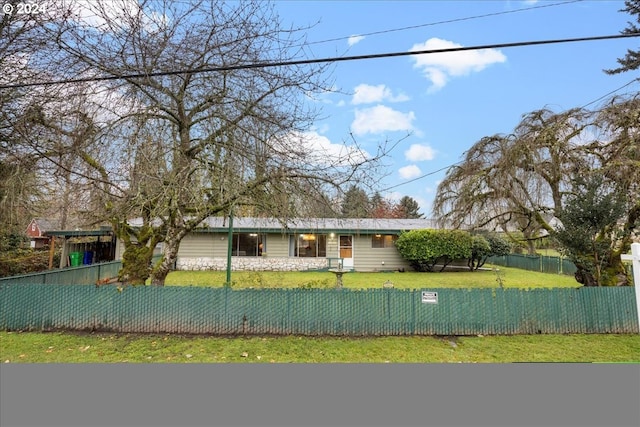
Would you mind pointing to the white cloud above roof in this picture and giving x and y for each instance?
(381, 119)
(419, 152)
(355, 39)
(440, 67)
(368, 94)
(409, 172)
(321, 150)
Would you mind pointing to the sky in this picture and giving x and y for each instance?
(438, 105)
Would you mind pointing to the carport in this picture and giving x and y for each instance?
(83, 247)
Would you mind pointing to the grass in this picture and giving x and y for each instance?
(75, 347)
(68, 347)
(510, 277)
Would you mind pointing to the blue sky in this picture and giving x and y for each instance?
(447, 102)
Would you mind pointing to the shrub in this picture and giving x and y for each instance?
(485, 246)
(424, 249)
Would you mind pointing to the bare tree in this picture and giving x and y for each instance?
(166, 141)
(25, 48)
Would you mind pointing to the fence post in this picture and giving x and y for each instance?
(635, 262)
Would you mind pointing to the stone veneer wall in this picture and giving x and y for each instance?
(252, 264)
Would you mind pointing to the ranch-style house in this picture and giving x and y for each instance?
(263, 244)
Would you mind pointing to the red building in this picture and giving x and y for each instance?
(36, 232)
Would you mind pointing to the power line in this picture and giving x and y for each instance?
(462, 161)
(319, 60)
(611, 93)
(423, 176)
(448, 21)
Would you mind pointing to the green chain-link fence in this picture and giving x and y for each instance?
(542, 263)
(318, 311)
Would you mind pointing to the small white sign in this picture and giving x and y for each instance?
(429, 297)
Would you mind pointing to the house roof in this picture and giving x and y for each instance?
(310, 225)
(102, 231)
(79, 233)
(43, 224)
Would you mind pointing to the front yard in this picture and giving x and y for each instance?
(509, 277)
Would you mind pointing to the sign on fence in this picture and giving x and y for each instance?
(429, 297)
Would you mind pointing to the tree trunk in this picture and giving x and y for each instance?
(585, 277)
(160, 272)
(136, 264)
(169, 258)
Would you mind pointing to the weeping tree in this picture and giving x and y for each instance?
(515, 182)
(189, 119)
(523, 181)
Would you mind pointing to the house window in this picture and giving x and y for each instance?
(308, 245)
(383, 240)
(248, 244)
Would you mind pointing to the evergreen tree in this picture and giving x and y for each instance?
(409, 208)
(356, 203)
(631, 60)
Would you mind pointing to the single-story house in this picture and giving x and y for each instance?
(263, 244)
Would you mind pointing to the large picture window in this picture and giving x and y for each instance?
(383, 240)
(248, 244)
(308, 245)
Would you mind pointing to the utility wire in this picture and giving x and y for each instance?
(448, 21)
(422, 176)
(611, 93)
(462, 161)
(319, 60)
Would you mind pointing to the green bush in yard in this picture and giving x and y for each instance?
(424, 249)
(485, 246)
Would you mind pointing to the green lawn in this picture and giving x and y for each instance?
(510, 277)
(57, 347)
(69, 347)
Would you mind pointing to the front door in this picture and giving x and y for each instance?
(346, 251)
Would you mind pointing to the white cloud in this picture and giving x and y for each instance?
(394, 196)
(408, 172)
(320, 149)
(355, 39)
(367, 94)
(439, 67)
(419, 152)
(98, 14)
(113, 15)
(380, 119)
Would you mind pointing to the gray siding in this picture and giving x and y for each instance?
(277, 245)
(195, 245)
(367, 258)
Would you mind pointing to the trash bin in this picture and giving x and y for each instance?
(88, 257)
(75, 258)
